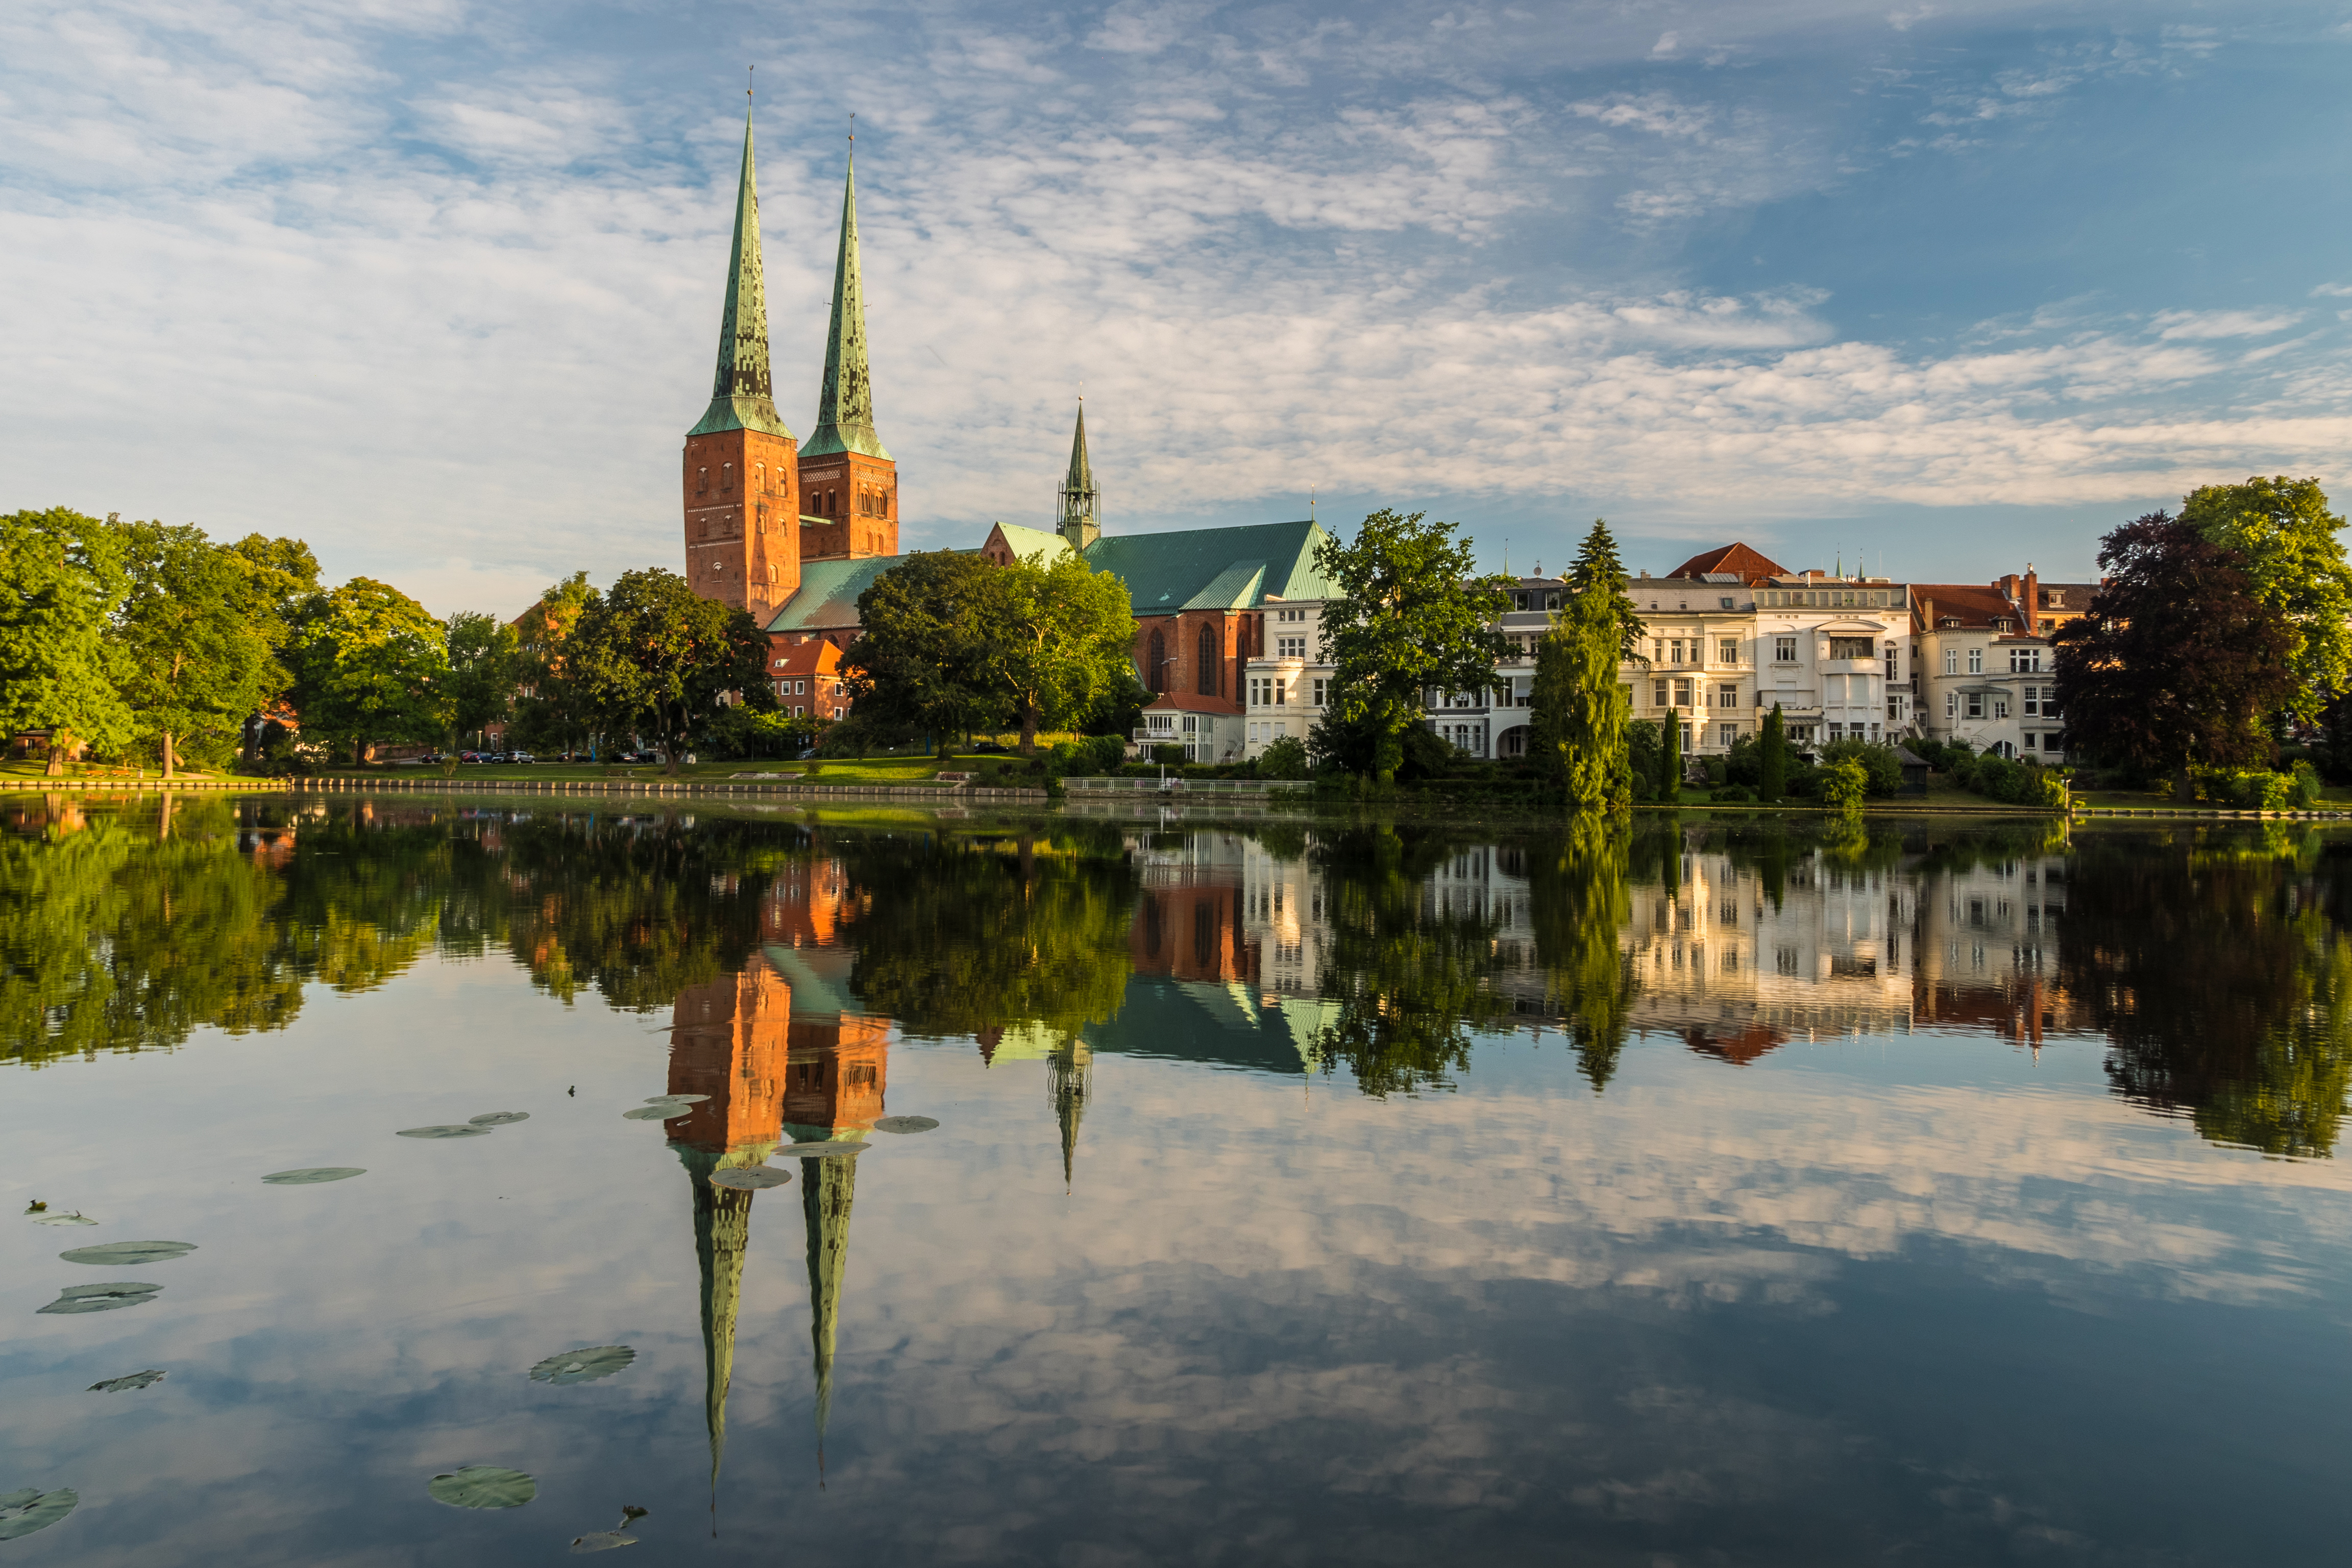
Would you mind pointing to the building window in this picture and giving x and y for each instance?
(1951, 661)
(1894, 672)
(702, 479)
(1976, 661)
(1675, 647)
(1726, 735)
(2033, 697)
(1657, 694)
(2000, 706)
(1290, 647)
(1726, 650)
(1688, 745)
(1322, 691)
(2025, 662)
(1951, 704)
(1155, 677)
(1683, 696)
(726, 475)
(1281, 693)
(1727, 696)
(1784, 650)
(1850, 647)
(1210, 667)
(1976, 704)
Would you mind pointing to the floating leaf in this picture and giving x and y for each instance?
(482, 1485)
(831, 1149)
(904, 1124)
(499, 1118)
(660, 1110)
(677, 1098)
(101, 1298)
(315, 1173)
(122, 1384)
(465, 1131)
(130, 1252)
(76, 1217)
(584, 1366)
(21, 1513)
(750, 1178)
(602, 1541)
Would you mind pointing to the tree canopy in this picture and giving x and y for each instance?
(1580, 709)
(2177, 660)
(654, 653)
(1409, 616)
(1598, 569)
(2295, 560)
(198, 658)
(1062, 640)
(370, 664)
(921, 646)
(61, 578)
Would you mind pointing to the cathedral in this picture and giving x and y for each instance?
(757, 504)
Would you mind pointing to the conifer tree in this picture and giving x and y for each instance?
(1598, 566)
(1773, 759)
(1670, 784)
(1580, 708)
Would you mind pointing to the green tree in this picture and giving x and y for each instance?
(655, 654)
(1578, 906)
(2176, 660)
(485, 662)
(1580, 710)
(198, 655)
(1845, 781)
(1598, 569)
(282, 575)
(922, 650)
(1670, 776)
(370, 664)
(61, 576)
(1062, 640)
(1772, 762)
(1408, 618)
(550, 708)
(2296, 560)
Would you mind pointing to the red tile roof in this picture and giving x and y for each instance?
(1733, 557)
(1973, 604)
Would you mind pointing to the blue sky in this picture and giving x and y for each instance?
(1953, 285)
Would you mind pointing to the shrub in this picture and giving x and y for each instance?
(2305, 792)
(1717, 776)
(1285, 759)
(1879, 763)
(1744, 763)
(1169, 753)
(1844, 783)
(1732, 794)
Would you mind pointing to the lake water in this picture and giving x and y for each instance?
(1301, 1192)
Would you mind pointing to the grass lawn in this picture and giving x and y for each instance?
(38, 770)
(879, 770)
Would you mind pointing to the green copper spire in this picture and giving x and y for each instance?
(828, 1187)
(740, 395)
(1069, 1075)
(845, 407)
(1081, 502)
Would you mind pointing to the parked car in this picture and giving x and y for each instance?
(471, 757)
(991, 748)
(521, 757)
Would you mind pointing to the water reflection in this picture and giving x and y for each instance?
(2213, 963)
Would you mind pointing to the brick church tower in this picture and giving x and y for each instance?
(742, 471)
(849, 483)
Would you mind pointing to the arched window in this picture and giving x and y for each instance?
(726, 475)
(1157, 662)
(1211, 665)
(886, 503)
(702, 478)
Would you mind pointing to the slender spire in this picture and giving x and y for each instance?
(741, 398)
(1081, 501)
(723, 1220)
(845, 405)
(828, 1187)
(1069, 1075)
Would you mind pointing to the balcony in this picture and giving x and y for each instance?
(1849, 667)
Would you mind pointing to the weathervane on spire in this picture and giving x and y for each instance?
(748, 72)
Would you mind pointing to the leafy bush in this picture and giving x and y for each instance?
(1715, 776)
(1879, 763)
(1744, 763)
(1168, 753)
(1285, 759)
(1732, 794)
(2305, 792)
(1844, 783)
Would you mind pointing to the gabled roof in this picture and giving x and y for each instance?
(1026, 541)
(1735, 559)
(826, 599)
(1214, 568)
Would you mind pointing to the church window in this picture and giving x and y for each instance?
(759, 476)
(1210, 667)
(1155, 677)
(702, 478)
(726, 475)
(886, 503)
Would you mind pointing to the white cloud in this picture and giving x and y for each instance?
(2222, 323)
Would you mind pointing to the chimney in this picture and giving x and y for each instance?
(2033, 602)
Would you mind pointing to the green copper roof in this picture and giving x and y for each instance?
(1028, 542)
(844, 406)
(1214, 568)
(826, 599)
(740, 395)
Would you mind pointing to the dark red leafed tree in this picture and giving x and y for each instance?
(2177, 660)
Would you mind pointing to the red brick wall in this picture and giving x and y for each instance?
(849, 489)
(742, 503)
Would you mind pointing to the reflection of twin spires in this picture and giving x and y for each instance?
(1069, 1079)
(773, 1052)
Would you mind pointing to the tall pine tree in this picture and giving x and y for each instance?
(1598, 568)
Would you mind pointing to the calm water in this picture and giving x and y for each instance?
(1299, 1193)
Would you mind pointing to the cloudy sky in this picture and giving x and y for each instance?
(1951, 285)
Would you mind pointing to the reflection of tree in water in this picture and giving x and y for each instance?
(965, 934)
(1411, 983)
(2223, 983)
(1579, 907)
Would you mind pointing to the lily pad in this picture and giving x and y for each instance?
(583, 1366)
(831, 1149)
(111, 1252)
(660, 1110)
(750, 1178)
(499, 1118)
(482, 1485)
(21, 1513)
(122, 1384)
(314, 1174)
(75, 1218)
(602, 1541)
(675, 1098)
(904, 1124)
(101, 1298)
(468, 1131)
